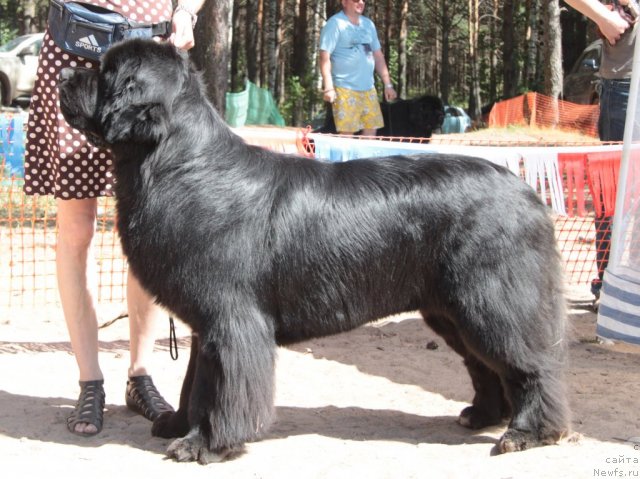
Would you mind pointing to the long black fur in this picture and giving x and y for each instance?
(254, 249)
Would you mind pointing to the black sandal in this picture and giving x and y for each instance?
(89, 408)
(143, 398)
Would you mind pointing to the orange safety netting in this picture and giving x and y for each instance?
(536, 110)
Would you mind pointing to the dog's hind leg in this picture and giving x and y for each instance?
(231, 401)
(540, 414)
(532, 371)
(523, 344)
(489, 406)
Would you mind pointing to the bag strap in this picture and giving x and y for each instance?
(161, 29)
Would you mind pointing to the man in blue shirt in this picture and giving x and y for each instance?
(349, 53)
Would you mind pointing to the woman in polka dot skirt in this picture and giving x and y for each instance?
(60, 162)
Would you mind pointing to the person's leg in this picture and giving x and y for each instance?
(141, 394)
(345, 112)
(371, 114)
(76, 227)
(614, 97)
(144, 316)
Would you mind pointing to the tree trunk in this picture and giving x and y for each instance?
(553, 50)
(29, 24)
(388, 30)
(402, 48)
(445, 35)
(265, 42)
(510, 72)
(493, 54)
(253, 17)
(237, 77)
(211, 53)
(531, 54)
(276, 85)
(301, 63)
(474, 80)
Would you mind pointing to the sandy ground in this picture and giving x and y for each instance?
(374, 403)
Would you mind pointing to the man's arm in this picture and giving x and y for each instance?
(328, 93)
(610, 23)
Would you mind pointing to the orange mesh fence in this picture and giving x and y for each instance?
(540, 111)
(28, 232)
(27, 248)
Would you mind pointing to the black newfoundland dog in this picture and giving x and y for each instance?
(255, 249)
(413, 118)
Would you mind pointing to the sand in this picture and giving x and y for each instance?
(372, 403)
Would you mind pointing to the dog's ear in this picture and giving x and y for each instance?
(145, 123)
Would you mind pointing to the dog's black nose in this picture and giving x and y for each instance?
(65, 74)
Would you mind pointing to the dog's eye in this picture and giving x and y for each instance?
(130, 84)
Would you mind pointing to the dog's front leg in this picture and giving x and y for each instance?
(176, 424)
(231, 400)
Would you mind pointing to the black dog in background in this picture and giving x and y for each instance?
(415, 118)
(254, 249)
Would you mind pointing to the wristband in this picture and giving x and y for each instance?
(389, 85)
(328, 90)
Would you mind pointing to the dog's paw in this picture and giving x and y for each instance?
(193, 447)
(475, 418)
(513, 440)
(170, 425)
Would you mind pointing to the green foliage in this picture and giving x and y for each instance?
(293, 97)
(301, 97)
(8, 20)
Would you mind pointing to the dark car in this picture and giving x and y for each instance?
(580, 84)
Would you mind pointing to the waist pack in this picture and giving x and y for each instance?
(88, 30)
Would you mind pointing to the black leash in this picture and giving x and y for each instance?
(173, 341)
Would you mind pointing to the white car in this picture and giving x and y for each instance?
(18, 67)
(456, 120)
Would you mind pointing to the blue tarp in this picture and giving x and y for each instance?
(12, 143)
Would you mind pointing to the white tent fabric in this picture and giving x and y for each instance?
(539, 164)
(619, 311)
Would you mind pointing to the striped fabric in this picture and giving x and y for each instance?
(619, 311)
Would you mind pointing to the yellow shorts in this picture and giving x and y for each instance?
(356, 110)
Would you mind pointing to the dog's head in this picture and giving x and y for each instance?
(427, 112)
(130, 98)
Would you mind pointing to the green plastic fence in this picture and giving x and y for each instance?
(252, 106)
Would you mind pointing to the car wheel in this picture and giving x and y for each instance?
(4, 93)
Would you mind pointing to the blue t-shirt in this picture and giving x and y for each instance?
(351, 48)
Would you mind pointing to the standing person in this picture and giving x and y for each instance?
(60, 162)
(349, 53)
(616, 23)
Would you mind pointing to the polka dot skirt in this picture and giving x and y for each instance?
(58, 159)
